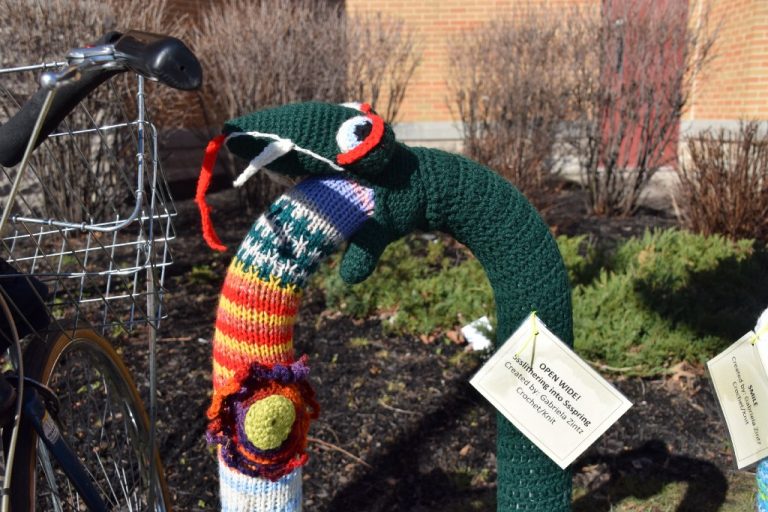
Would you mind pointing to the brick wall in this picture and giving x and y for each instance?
(435, 22)
(735, 84)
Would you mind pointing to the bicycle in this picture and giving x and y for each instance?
(76, 433)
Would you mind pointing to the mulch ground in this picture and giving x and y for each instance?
(401, 429)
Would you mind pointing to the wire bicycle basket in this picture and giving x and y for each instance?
(94, 216)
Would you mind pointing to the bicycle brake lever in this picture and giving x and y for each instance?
(80, 61)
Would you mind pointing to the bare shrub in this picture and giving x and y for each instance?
(604, 86)
(636, 60)
(508, 84)
(381, 59)
(264, 53)
(724, 183)
(87, 173)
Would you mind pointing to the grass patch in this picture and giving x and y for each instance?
(203, 274)
(656, 300)
(358, 342)
(666, 297)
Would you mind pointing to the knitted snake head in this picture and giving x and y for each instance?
(300, 139)
(311, 138)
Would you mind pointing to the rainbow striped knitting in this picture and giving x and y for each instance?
(262, 402)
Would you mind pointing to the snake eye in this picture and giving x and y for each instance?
(353, 132)
(358, 135)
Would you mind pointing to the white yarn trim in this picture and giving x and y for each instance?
(268, 155)
(357, 105)
(272, 152)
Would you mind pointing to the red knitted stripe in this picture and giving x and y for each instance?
(232, 360)
(230, 363)
(264, 334)
(236, 359)
(259, 298)
(219, 381)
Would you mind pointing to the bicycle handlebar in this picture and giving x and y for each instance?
(157, 57)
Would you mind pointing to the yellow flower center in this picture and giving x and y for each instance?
(268, 422)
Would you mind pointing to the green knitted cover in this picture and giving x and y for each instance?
(431, 190)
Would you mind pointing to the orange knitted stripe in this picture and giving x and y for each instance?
(247, 327)
(229, 356)
(249, 290)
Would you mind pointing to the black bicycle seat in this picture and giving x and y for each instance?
(162, 58)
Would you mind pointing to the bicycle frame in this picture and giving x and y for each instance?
(156, 57)
(48, 431)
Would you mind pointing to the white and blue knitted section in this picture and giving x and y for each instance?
(241, 493)
(762, 486)
(303, 226)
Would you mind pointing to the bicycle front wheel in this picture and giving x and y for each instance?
(102, 417)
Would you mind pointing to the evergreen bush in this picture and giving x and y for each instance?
(666, 297)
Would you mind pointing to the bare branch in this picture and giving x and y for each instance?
(264, 53)
(89, 176)
(509, 92)
(724, 183)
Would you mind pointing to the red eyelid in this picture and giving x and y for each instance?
(370, 142)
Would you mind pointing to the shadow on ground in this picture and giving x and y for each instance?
(724, 301)
(394, 481)
(644, 472)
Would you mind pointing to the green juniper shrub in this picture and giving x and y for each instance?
(582, 258)
(656, 300)
(669, 296)
(417, 288)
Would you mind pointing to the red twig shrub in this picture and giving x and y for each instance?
(641, 57)
(603, 86)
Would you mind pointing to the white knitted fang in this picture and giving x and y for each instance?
(280, 142)
(268, 155)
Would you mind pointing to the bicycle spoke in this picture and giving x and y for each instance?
(47, 467)
(100, 424)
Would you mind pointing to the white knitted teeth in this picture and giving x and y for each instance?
(270, 153)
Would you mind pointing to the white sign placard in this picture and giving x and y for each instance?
(549, 393)
(741, 387)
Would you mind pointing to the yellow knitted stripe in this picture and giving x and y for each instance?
(290, 290)
(250, 316)
(222, 372)
(253, 351)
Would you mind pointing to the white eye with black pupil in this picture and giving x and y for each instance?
(353, 132)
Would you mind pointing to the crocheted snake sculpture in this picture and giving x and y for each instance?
(363, 187)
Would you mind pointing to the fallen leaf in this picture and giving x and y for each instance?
(427, 339)
(455, 336)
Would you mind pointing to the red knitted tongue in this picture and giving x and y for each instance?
(206, 173)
